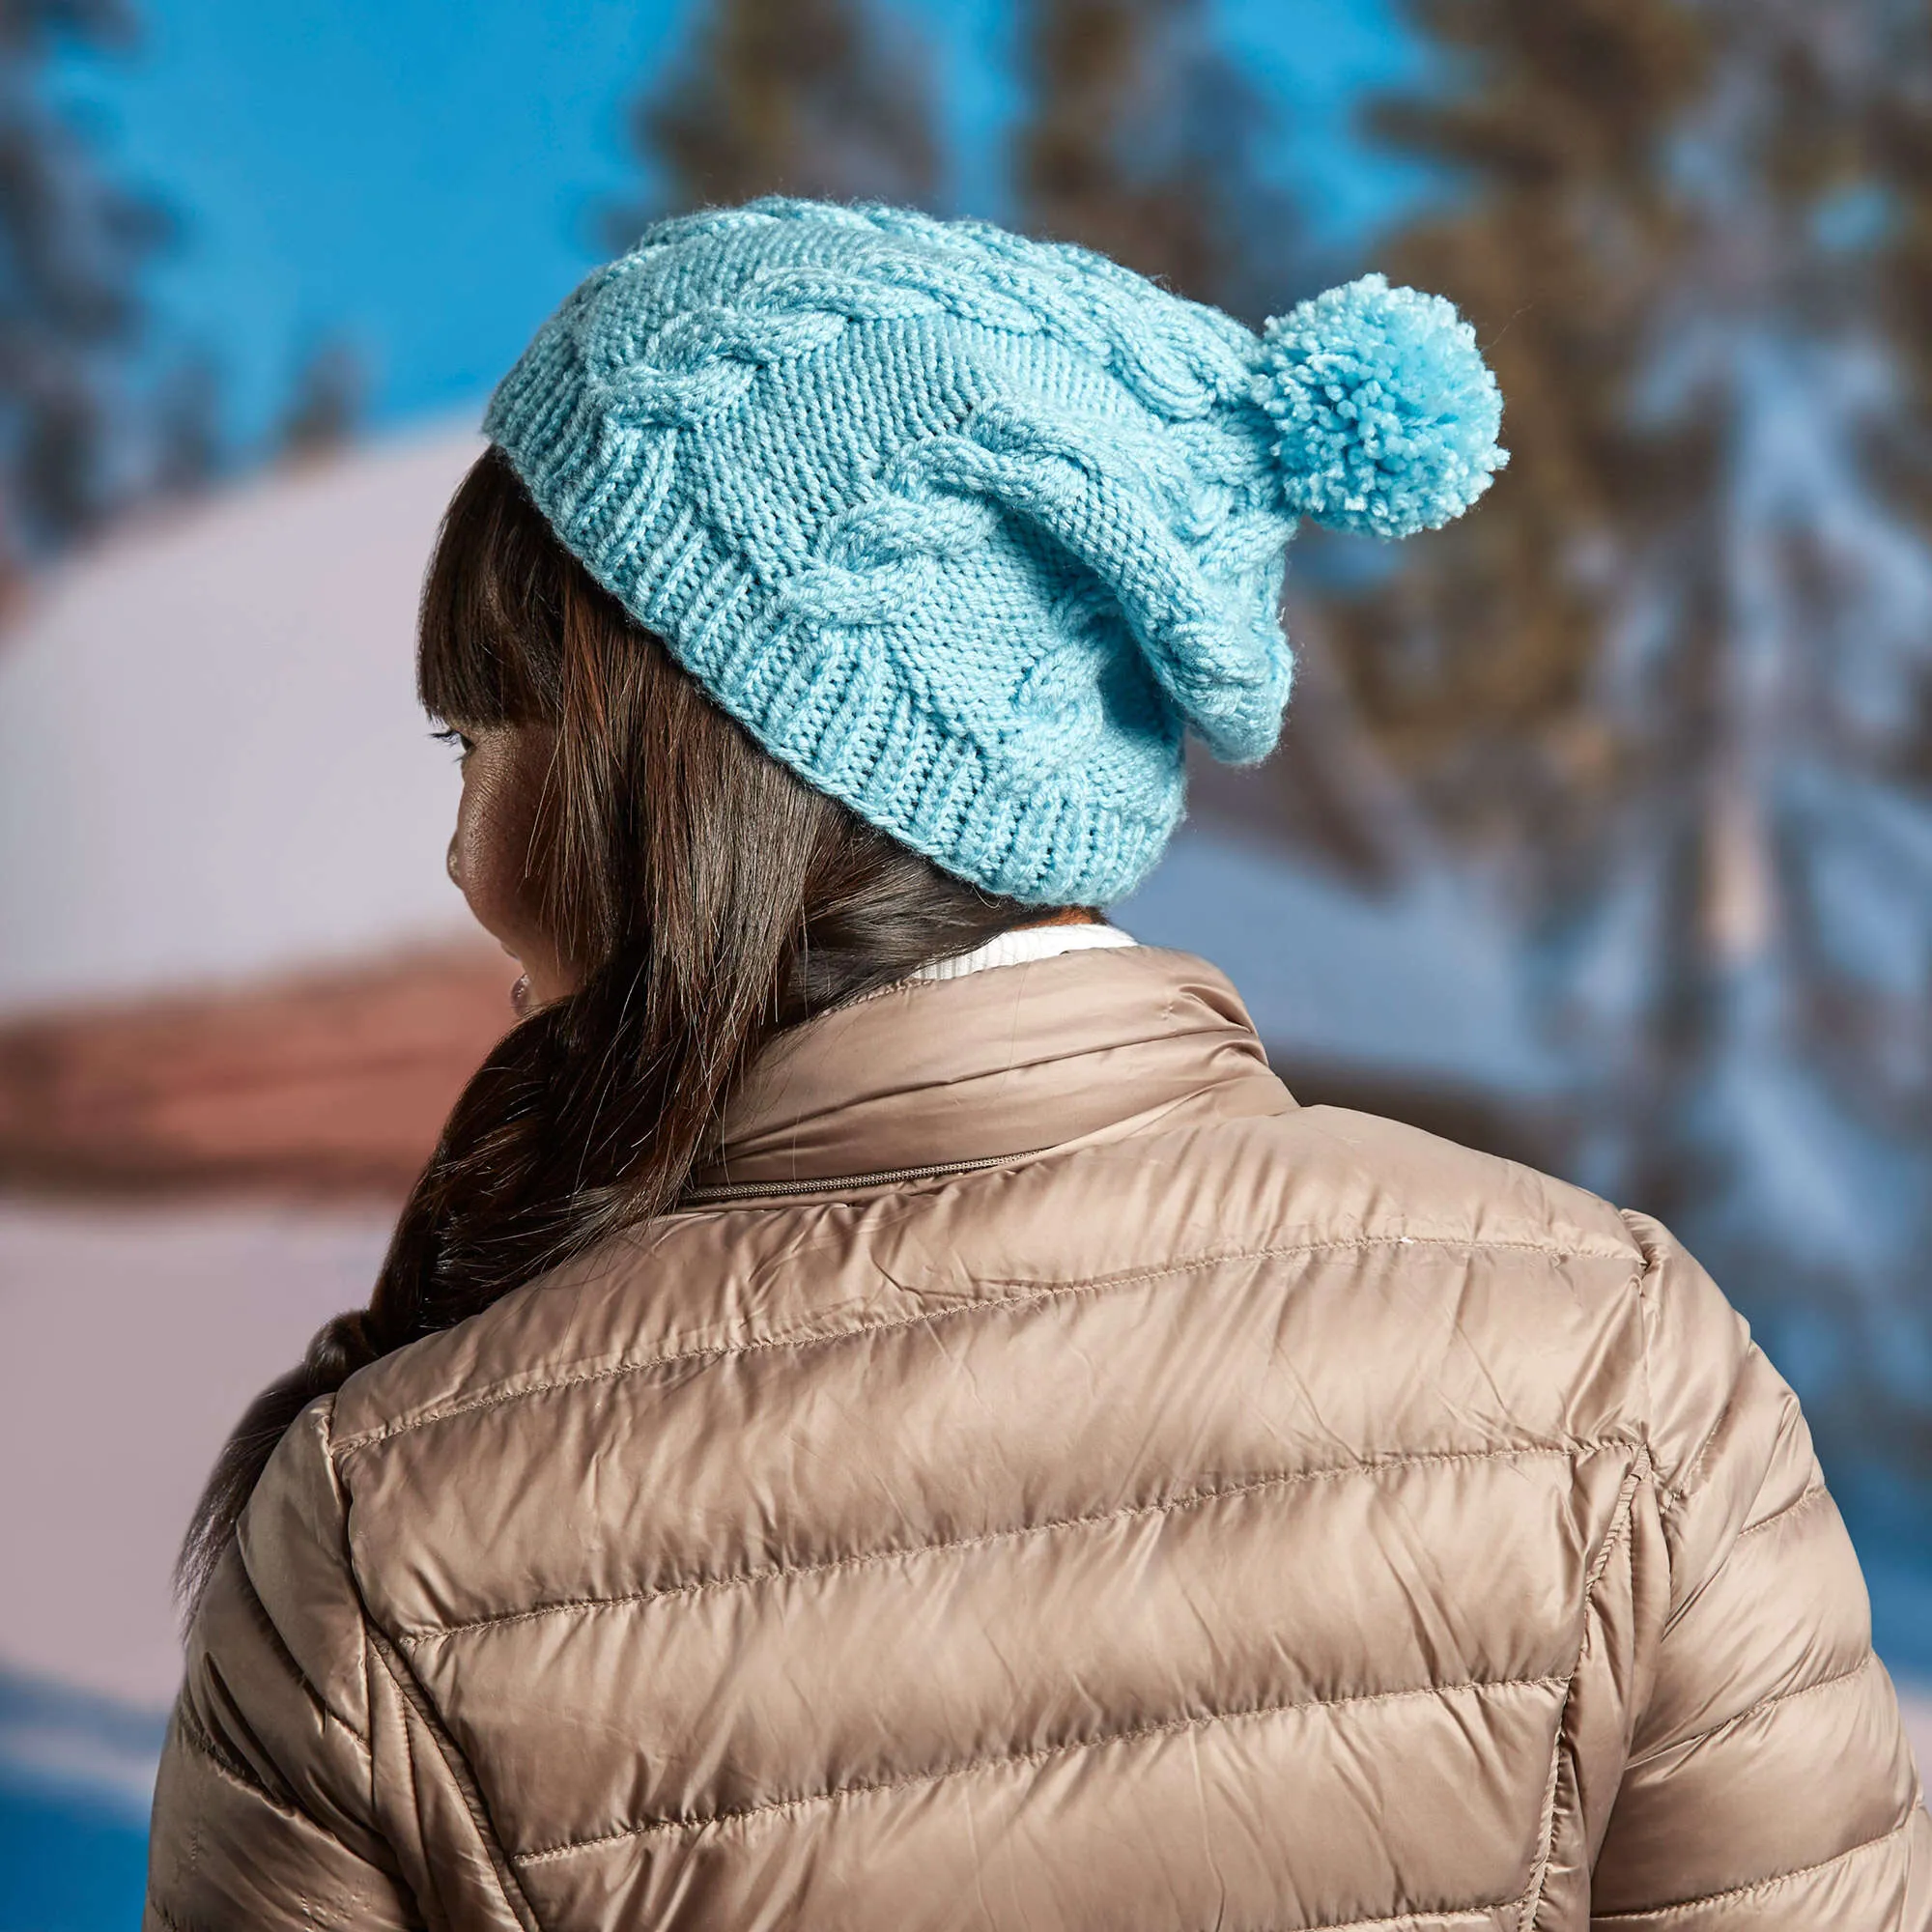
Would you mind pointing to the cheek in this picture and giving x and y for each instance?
(489, 855)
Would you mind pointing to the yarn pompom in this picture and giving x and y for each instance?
(1385, 413)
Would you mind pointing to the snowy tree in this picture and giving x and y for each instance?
(799, 96)
(75, 440)
(326, 403)
(1144, 140)
(1680, 663)
(187, 450)
(1475, 657)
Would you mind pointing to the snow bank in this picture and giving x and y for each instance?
(212, 763)
(182, 1315)
(1415, 983)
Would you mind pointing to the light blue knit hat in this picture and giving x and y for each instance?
(968, 529)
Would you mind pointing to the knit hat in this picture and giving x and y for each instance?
(970, 530)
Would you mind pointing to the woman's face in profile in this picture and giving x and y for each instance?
(494, 857)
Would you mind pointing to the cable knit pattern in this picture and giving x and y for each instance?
(969, 530)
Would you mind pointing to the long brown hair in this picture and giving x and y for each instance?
(706, 897)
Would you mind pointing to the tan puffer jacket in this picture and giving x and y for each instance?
(1057, 1483)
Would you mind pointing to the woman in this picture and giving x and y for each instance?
(881, 1411)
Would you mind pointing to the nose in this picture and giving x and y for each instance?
(452, 863)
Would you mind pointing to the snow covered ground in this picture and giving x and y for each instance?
(135, 1337)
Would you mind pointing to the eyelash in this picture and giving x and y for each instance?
(454, 737)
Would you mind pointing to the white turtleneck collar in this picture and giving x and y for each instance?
(1023, 943)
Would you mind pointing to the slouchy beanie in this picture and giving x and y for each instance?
(971, 530)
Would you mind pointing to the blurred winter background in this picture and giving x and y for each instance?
(1602, 831)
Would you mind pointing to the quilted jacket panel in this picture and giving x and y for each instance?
(1163, 1507)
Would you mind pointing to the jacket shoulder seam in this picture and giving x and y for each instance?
(1675, 1494)
(460, 1775)
(331, 1716)
(1031, 1295)
(1616, 1536)
(1675, 1490)
(347, 1557)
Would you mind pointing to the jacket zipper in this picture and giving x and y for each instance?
(892, 1176)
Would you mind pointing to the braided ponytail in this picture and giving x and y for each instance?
(708, 899)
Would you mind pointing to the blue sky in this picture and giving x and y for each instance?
(422, 177)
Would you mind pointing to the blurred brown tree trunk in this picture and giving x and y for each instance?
(1476, 658)
(820, 98)
(326, 403)
(1144, 140)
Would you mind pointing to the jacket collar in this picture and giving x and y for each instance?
(1013, 1061)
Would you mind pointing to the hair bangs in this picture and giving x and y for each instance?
(489, 630)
